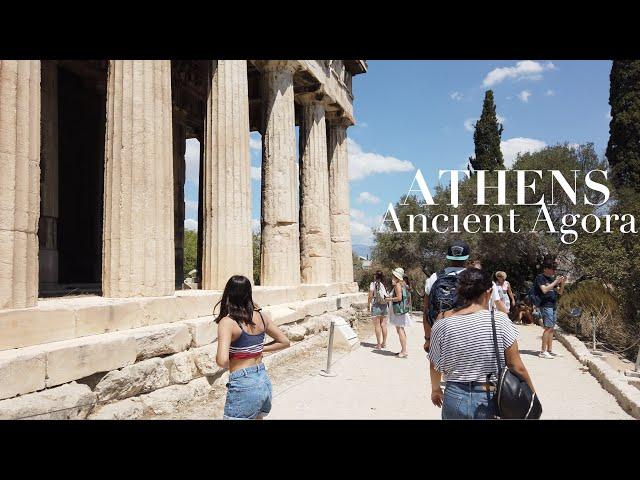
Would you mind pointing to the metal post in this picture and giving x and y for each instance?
(327, 372)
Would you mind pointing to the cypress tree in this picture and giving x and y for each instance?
(486, 138)
(623, 150)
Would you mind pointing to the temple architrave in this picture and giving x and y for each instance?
(92, 211)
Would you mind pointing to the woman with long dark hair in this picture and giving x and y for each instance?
(241, 332)
(378, 307)
(462, 348)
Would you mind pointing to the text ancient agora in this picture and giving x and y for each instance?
(594, 192)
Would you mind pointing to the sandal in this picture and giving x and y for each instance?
(399, 355)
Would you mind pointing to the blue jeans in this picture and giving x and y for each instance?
(549, 317)
(466, 401)
(248, 394)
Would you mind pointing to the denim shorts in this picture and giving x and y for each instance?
(248, 394)
(549, 317)
(467, 401)
(379, 309)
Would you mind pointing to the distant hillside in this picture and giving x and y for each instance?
(362, 250)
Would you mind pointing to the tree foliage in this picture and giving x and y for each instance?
(190, 251)
(486, 138)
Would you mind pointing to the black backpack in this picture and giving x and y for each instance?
(442, 296)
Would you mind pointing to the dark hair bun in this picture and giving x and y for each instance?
(472, 283)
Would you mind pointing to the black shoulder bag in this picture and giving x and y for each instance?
(513, 399)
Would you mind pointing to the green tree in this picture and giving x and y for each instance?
(486, 138)
(623, 150)
(190, 251)
(256, 258)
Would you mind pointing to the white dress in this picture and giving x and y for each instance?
(403, 320)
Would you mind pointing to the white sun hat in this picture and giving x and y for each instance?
(398, 273)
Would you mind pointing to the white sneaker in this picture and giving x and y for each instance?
(545, 355)
(553, 354)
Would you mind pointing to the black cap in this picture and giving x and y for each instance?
(458, 250)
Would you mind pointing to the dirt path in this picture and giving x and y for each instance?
(373, 384)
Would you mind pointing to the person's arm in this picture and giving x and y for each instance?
(436, 389)
(561, 287)
(225, 331)
(279, 341)
(511, 297)
(514, 362)
(501, 306)
(397, 290)
(425, 322)
(369, 299)
(547, 288)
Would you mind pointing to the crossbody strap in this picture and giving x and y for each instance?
(495, 343)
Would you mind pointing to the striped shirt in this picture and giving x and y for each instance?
(462, 345)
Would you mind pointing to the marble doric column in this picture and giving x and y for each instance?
(19, 182)
(280, 246)
(315, 235)
(138, 241)
(179, 171)
(227, 240)
(341, 256)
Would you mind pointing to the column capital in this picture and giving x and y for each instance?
(339, 119)
(310, 98)
(277, 65)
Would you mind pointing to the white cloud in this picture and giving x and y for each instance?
(608, 116)
(549, 93)
(456, 96)
(192, 160)
(469, 123)
(191, 224)
(256, 173)
(255, 225)
(360, 233)
(363, 164)
(526, 69)
(362, 124)
(357, 214)
(255, 141)
(524, 96)
(510, 148)
(366, 197)
(191, 204)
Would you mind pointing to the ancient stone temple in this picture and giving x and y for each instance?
(92, 178)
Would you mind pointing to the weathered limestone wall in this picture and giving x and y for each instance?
(19, 182)
(280, 249)
(227, 238)
(153, 367)
(138, 242)
(341, 253)
(315, 238)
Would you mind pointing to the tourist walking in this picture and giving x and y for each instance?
(442, 298)
(506, 295)
(399, 312)
(408, 284)
(462, 348)
(378, 307)
(495, 301)
(548, 288)
(241, 333)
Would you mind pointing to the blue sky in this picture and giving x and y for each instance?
(419, 114)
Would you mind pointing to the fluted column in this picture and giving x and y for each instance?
(19, 182)
(179, 171)
(315, 236)
(138, 242)
(280, 246)
(341, 256)
(227, 241)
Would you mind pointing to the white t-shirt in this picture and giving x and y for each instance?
(372, 288)
(495, 294)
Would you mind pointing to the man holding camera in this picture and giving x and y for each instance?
(549, 288)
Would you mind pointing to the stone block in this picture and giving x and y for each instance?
(160, 310)
(128, 409)
(295, 333)
(118, 316)
(73, 359)
(67, 402)
(203, 330)
(204, 359)
(21, 371)
(161, 340)
(169, 399)
(141, 377)
(281, 315)
(181, 367)
(333, 289)
(33, 326)
(315, 307)
(312, 291)
(196, 304)
(265, 296)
